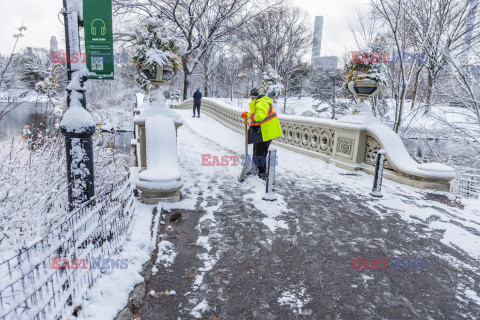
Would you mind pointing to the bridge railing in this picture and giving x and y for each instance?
(350, 146)
(33, 286)
(467, 183)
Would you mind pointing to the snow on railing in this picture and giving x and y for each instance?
(30, 286)
(467, 183)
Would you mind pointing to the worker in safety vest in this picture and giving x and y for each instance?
(264, 127)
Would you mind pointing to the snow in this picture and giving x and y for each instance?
(199, 309)
(110, 292)
(166, 254)
(76, 5)
(162, 161)
(435, 167)
(77, 120)
(401, 159)
(272, 210)
(295, 299)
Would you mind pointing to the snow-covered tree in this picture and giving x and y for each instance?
(442, 28)
(200, 24)
(280, 37)
(271, 84)
(326, 87)
(11, 79)
(36, 64)
(6, 62)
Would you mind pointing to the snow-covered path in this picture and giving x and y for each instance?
(238, 257)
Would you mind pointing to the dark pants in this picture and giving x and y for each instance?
(196, 107)
(260, 152)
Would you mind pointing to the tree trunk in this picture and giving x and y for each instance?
(415, 88)
(398, 121)
(431, 86)
(205, 88)
(186, 81)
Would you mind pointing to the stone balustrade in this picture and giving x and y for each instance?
(351, 146)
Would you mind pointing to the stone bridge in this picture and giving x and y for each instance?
(316, 252)
(349, 144)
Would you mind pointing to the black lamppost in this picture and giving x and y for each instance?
(77, 127)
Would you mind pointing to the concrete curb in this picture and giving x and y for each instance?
(136, 296)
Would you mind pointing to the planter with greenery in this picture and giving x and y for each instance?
(155, 53)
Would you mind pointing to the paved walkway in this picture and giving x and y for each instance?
(237, 257)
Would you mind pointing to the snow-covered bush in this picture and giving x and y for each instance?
(52, 83)
(271, 83)
(33, 185)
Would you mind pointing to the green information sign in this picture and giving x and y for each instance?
(97, 21)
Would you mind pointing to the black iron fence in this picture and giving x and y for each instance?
(31, 287)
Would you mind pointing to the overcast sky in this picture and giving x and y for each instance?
(40, 17)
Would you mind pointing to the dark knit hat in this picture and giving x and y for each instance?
(255, 92)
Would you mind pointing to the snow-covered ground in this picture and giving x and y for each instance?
(109, 294)
(295, 106)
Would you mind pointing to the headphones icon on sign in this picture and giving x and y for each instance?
(103, 29)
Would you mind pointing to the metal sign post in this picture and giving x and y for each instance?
(79, 145)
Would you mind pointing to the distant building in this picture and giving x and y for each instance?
(317, 38)
(469, 27)
(53, 44)
(327, 62)
(319, 62)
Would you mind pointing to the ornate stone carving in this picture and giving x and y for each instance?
(345, 147)
(371, 155)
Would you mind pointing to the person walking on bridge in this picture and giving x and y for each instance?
(264, 127)
(197, 101)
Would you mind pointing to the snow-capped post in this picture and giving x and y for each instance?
(377, 181)
(77, 124)
(270, 187)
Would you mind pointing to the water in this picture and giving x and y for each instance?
(39, 116)
(25, 114)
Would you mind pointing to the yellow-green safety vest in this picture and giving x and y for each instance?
(262, 114)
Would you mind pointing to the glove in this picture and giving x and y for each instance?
(244, 114)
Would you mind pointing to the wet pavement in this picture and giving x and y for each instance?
(238, 257)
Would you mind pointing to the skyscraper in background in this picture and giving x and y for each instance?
(469, 29)
(53, 44)
(317, 38)
(319, 62)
